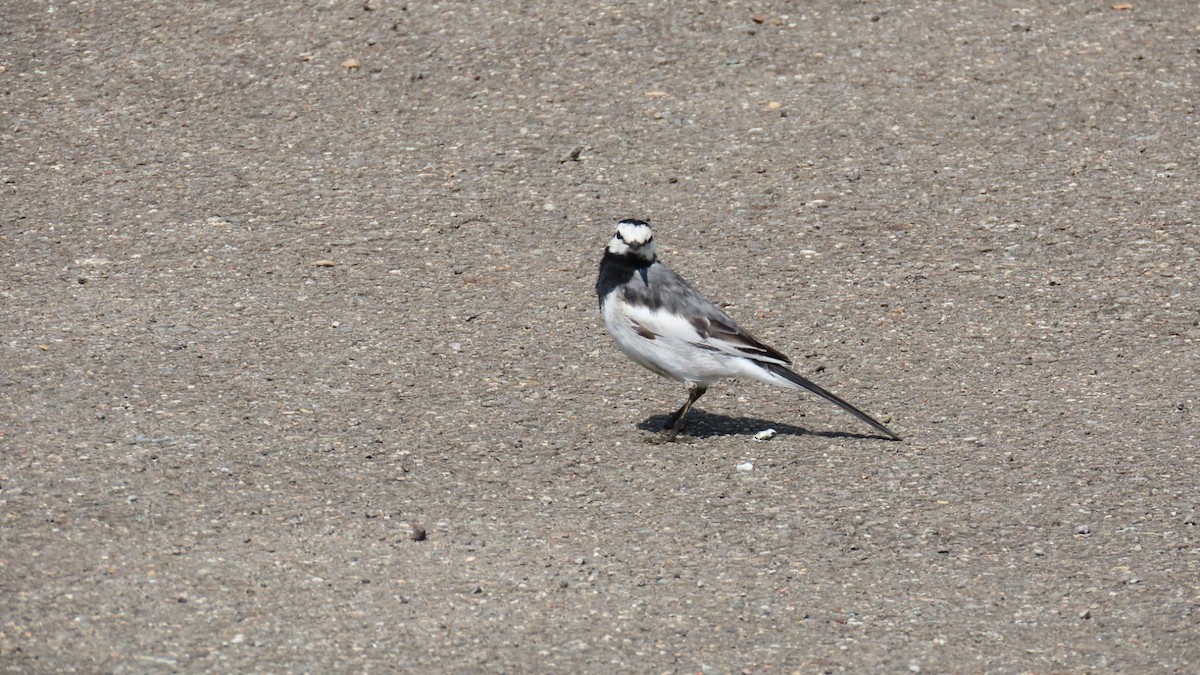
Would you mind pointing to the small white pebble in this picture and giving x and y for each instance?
(765, 435)
(747, 466)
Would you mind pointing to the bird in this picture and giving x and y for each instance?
(660, 322)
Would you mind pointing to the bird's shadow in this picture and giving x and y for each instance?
(706, 425)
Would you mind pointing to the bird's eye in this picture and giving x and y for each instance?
(620, 237)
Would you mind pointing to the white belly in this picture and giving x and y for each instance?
(673, 352)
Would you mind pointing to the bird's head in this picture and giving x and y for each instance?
(633, 239)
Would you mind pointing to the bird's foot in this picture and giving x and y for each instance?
(672, 428)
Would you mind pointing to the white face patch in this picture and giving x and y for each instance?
(633, 238)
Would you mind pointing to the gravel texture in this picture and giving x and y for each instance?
(301, 368)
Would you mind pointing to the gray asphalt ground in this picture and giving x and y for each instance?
(285, 285)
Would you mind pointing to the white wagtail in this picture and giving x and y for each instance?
(664, 324)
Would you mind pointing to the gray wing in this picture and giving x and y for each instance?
(658, 287)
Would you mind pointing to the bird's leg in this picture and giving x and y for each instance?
(676, 422)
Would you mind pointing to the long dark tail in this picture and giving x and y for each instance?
(828, 396)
